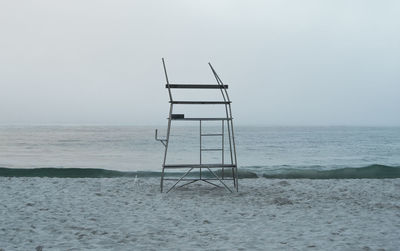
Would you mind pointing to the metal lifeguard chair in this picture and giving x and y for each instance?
(218, 173)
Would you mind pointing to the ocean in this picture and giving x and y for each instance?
(271, 152)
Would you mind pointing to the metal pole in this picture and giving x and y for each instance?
(169, 126)
(166, 145)
(234, 151)
(166, 78)
(200, 148)
(223, 150)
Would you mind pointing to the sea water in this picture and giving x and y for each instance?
(286, 152)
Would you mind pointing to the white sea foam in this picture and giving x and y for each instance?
(266, 214)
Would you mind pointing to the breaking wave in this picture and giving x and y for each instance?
(97, 173)
(67, 173)
(367, 172)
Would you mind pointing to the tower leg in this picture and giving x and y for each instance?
(166, 146)
(234, 177)
(237, 180)
(162, 180)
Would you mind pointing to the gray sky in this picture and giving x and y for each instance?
(287, 62)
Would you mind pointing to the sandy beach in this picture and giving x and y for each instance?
(266, 214)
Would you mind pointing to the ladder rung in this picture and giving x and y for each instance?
(200, 118)
(200, 166)
(212, 149)
(212, 134)
(188, 179)
(196, 86)
(200, 102)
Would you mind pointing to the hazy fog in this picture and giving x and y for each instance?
(287, 62)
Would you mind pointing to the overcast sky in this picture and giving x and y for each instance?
(287, 62)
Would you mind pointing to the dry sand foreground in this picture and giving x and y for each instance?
(126, 214)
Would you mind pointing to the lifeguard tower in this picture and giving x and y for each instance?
(216, 174)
